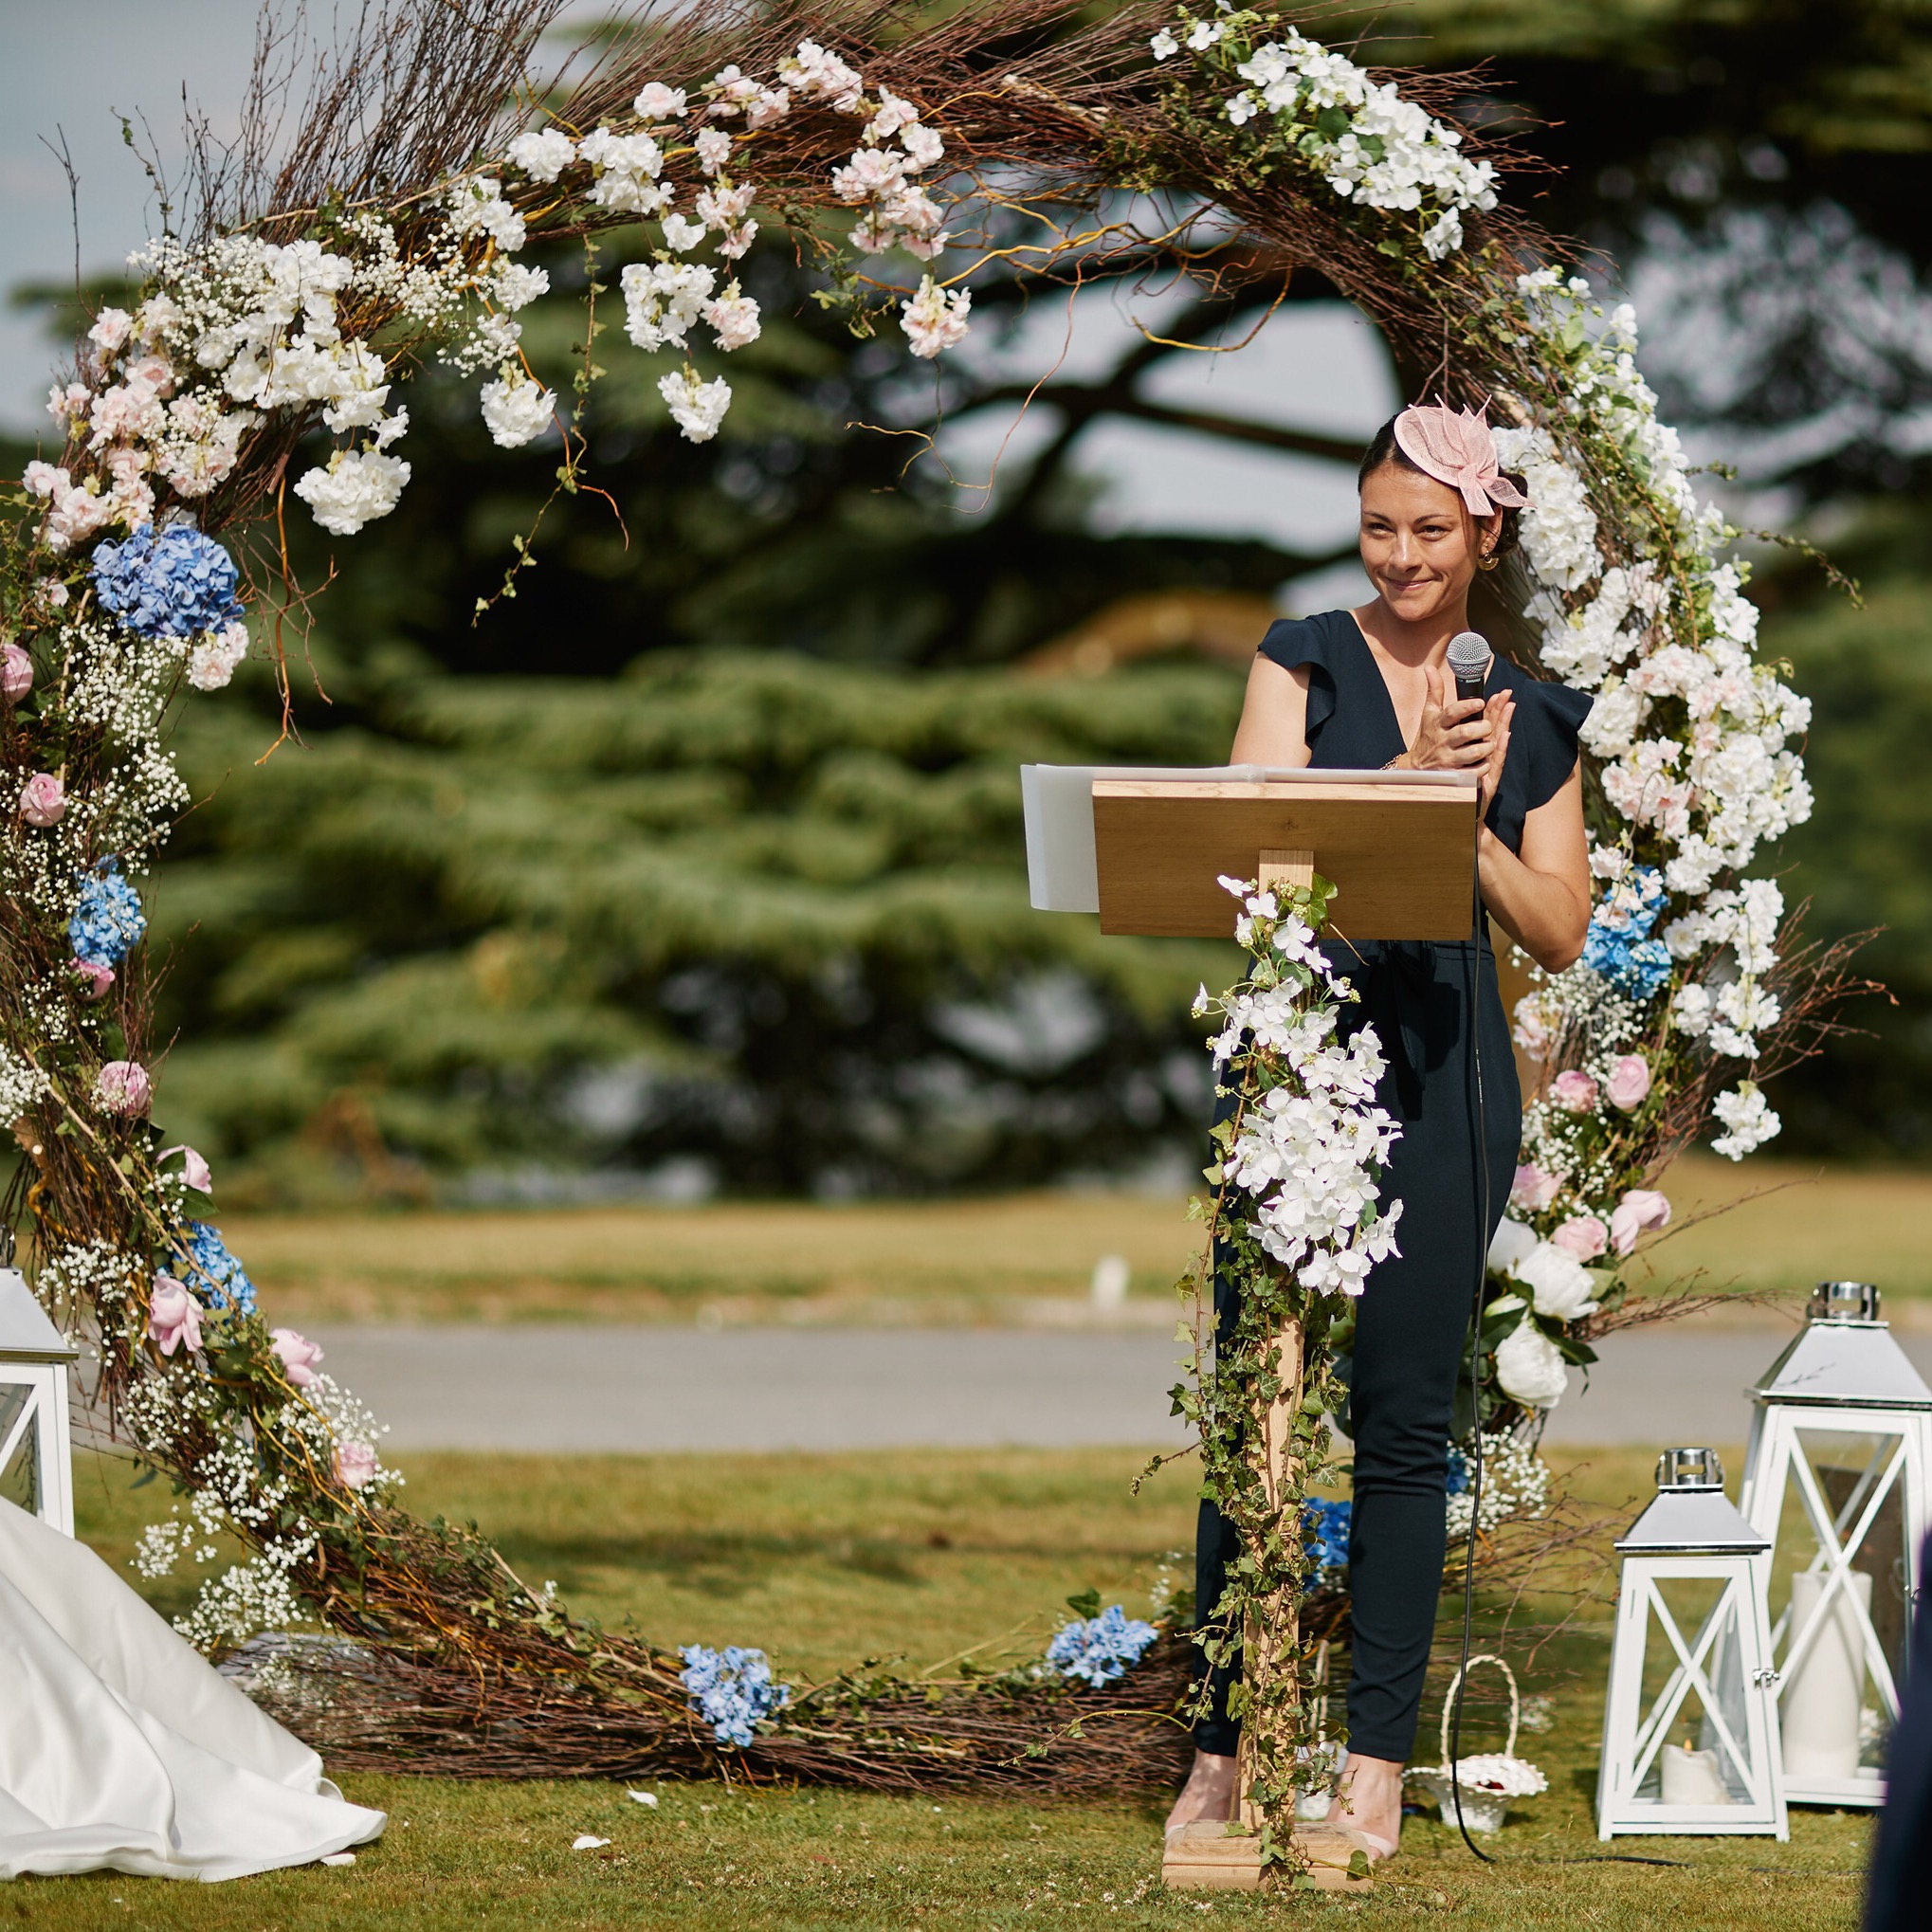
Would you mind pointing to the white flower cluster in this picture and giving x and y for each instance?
(1515, 1484)
(1308, 1150)
(22, 1086)
(667, 297)
(1694, 736)
(1372, 146)
(236, 330)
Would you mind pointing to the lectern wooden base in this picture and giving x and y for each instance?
(1208, 1856)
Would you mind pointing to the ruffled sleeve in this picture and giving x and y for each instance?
(1548, 719)
(1292, 642)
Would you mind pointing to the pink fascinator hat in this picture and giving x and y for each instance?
(1455, 446)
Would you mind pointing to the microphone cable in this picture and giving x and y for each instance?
(1471, 982)
(1471, 976)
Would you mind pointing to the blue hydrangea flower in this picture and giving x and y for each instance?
(1102, 1647)
(1457, 1479)
(212, 1272)
(167, 583)
(1617, 946)
(108, 920)
(1637, 968)
(1325, 1532)
(731, 1690)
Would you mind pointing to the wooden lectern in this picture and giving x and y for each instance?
(1147, 850)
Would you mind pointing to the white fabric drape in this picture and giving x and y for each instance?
(121, 1749)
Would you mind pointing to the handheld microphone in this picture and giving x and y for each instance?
(1469, 659)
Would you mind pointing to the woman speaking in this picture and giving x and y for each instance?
(1367, 689)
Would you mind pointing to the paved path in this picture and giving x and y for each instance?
(657, 1389)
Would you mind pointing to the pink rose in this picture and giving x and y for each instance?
(299, 1356)
(1534, 1189)
(17, 673)
(1640, 1209)
(197, 1172)
(43, 800)
(94, 977)
(123, 1088)
(174, 1317)
(355, 1464)
(1629, 1081)
(1582, 1236)
(1574, 1091)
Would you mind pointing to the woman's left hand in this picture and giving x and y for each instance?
(1500, 709)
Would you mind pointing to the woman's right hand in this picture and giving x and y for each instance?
(1456, 733)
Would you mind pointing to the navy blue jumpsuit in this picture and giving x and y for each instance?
(1412, 1319)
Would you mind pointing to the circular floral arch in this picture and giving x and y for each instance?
(152, 557)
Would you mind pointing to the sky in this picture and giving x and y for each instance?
(1319, 369)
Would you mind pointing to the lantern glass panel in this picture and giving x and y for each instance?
(1693, 1721)
(14, 1396)
(20, 1479)
(1845, 1493)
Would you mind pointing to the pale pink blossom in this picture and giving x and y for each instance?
(94, 977)
(110, 330)
(47, 479)
(17, 673)
(659, 102)
(713, 149)
(870, 172)
(1533, 1188)
(922, 147)
(63, 402)
(195, 1170)
(772, 103)
(1574, 1091)
(1582, 1236)
(1629, 1081)
(173, 1316)
(123, 1088)
(297, 1357)
(734, 317)
(43, 800)
(355, 1464)
(1641, 1209)
(933, 320)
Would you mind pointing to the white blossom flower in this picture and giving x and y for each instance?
(681, 234)
(1747, 1120)
(515, 409)
(516, 286)
(543, 154)
(1164, 45)
(696, 408)
(355, 489)
(713, 149)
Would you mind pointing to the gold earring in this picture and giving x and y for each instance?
(1488, 560)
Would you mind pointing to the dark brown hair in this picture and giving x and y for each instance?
(1384, 451)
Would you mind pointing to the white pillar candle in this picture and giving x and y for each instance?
(1691, 1777)
(1823, 1696)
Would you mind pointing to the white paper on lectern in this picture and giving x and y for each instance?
(1063, 873)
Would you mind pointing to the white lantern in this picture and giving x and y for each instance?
(1691, 1563)
(1836, 1477)
(35, 1467)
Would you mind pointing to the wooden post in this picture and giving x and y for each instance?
(1212, 1856)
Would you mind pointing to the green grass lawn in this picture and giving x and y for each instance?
(821, 1559)
(1024, 1256)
